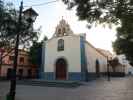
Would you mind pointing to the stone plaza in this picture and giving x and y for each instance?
(100, 89)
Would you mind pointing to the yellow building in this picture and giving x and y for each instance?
(24, 68)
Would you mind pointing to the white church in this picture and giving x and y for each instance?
(68, 56)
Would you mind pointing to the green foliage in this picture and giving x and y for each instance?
(110, 12)
(106, 12)
(35, 50)
(8, 28)
(124, 42)
(33, 54)
(98, 11)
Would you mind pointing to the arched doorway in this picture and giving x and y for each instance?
(61, 69)
(97, 68)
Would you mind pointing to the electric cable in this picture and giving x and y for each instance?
(41, 4)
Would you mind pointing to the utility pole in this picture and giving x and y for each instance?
(12, 92)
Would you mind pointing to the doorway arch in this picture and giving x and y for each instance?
(61, 69)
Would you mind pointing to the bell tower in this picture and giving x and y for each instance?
(62, 29)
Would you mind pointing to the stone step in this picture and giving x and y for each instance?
(64, 84)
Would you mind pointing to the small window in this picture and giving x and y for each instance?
(21, 60)
(60, 45)
(11, 58)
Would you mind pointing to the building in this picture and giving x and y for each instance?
(124, 66)
(24, 69)
(67, 56)
(106, 53)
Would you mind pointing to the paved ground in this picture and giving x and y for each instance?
(116, 89)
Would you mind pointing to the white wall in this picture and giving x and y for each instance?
(71, 53)
(92, 54)
(124, 64)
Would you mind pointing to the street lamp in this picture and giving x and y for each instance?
(30, 16)
(108, 73)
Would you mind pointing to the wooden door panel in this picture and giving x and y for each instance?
(61, 70)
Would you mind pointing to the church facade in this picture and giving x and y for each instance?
(67, 56)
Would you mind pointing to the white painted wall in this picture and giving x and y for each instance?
(71, 53)
(92, 54)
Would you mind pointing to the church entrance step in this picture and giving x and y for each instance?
(63, 84)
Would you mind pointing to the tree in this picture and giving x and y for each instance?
(101, 11)
(110, 12)
(98, 11)
(124, 44)
(8, 23)
(35, 52)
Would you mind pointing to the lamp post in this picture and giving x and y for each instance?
(30, 16)
(108, 73)
(1, 54)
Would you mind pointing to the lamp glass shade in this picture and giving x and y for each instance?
(30, 15)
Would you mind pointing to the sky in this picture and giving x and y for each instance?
(51, 14)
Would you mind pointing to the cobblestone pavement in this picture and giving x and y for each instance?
(101, 89)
